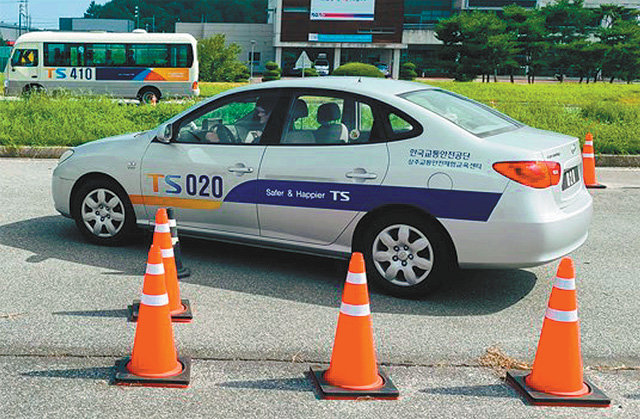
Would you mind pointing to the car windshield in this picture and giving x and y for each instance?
(472, 116)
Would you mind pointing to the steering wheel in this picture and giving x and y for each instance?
(224, 134)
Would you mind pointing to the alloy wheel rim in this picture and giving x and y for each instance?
(102, 213)
(402, 255)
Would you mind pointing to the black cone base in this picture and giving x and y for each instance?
(594, 399)
(328, 392)
(185, 317)
(184, 272)
(124, 378)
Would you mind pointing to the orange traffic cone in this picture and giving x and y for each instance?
(353, 372)
(154, 361)
(180, 309)
(589, 164)
(557, 377)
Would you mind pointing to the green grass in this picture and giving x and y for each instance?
(610, 112)
(55, 121)
(211, 89)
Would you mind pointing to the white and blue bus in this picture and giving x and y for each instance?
(133, 65)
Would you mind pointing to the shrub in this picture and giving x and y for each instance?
(408, 71)
(358, 69)
(310, 72)
(219, 62)
(273, 71)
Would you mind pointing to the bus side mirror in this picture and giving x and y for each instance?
(165, 133)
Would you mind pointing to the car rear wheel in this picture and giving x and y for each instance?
(103, 212)
(407, 256)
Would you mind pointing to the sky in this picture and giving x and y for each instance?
(45, 13)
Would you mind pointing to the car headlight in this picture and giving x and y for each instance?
(65, 156)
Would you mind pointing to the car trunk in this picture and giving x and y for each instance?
(550, 146)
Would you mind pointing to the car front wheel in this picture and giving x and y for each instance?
(407, 256)
(103, 212)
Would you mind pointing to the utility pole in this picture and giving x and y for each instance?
(23, 12)
(253, 45)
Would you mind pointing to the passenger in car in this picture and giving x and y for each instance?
(299, 136)
(331, 130)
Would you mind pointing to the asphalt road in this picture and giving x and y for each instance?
(262, 316)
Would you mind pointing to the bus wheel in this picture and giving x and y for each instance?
(33, 88)
(147, 94)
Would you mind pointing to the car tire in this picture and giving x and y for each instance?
(146, 94)
(404, 242)
(103, 212)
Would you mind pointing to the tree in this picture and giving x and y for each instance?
(219, 62)
(622, 60)
(528, 28)
(474, 43)
(610, 14)
(587, 57)
(566, 21)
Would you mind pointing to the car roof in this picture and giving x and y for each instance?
(368, 86)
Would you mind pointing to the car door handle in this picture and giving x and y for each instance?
(240, 169)
(34, 77)
(359, 175)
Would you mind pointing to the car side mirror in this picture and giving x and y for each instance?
(165, 133)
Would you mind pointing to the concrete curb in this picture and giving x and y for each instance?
(602, 160)
(33, 152)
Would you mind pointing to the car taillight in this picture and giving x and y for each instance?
(194, 86)
(537, 174)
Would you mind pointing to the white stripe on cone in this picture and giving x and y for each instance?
(562, 316)
(565, 284)
(355, 310)
(155, 300)
(357, 278)
(167, 253)
(155, 268)
(162, 228)
(588, 143)
(588, 155)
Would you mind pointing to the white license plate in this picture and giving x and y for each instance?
(570, 177)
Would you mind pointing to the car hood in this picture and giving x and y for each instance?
(136, 136)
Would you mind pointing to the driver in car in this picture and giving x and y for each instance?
(249, 128)
(261, 114)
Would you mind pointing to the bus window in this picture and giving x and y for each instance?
(25, 58)
(76, 53)
(180, 56)
(150, 55)
(54, 55)
(106, 54)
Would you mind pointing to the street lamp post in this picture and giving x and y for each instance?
(253, 44)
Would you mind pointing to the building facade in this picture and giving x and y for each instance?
(371, 31)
